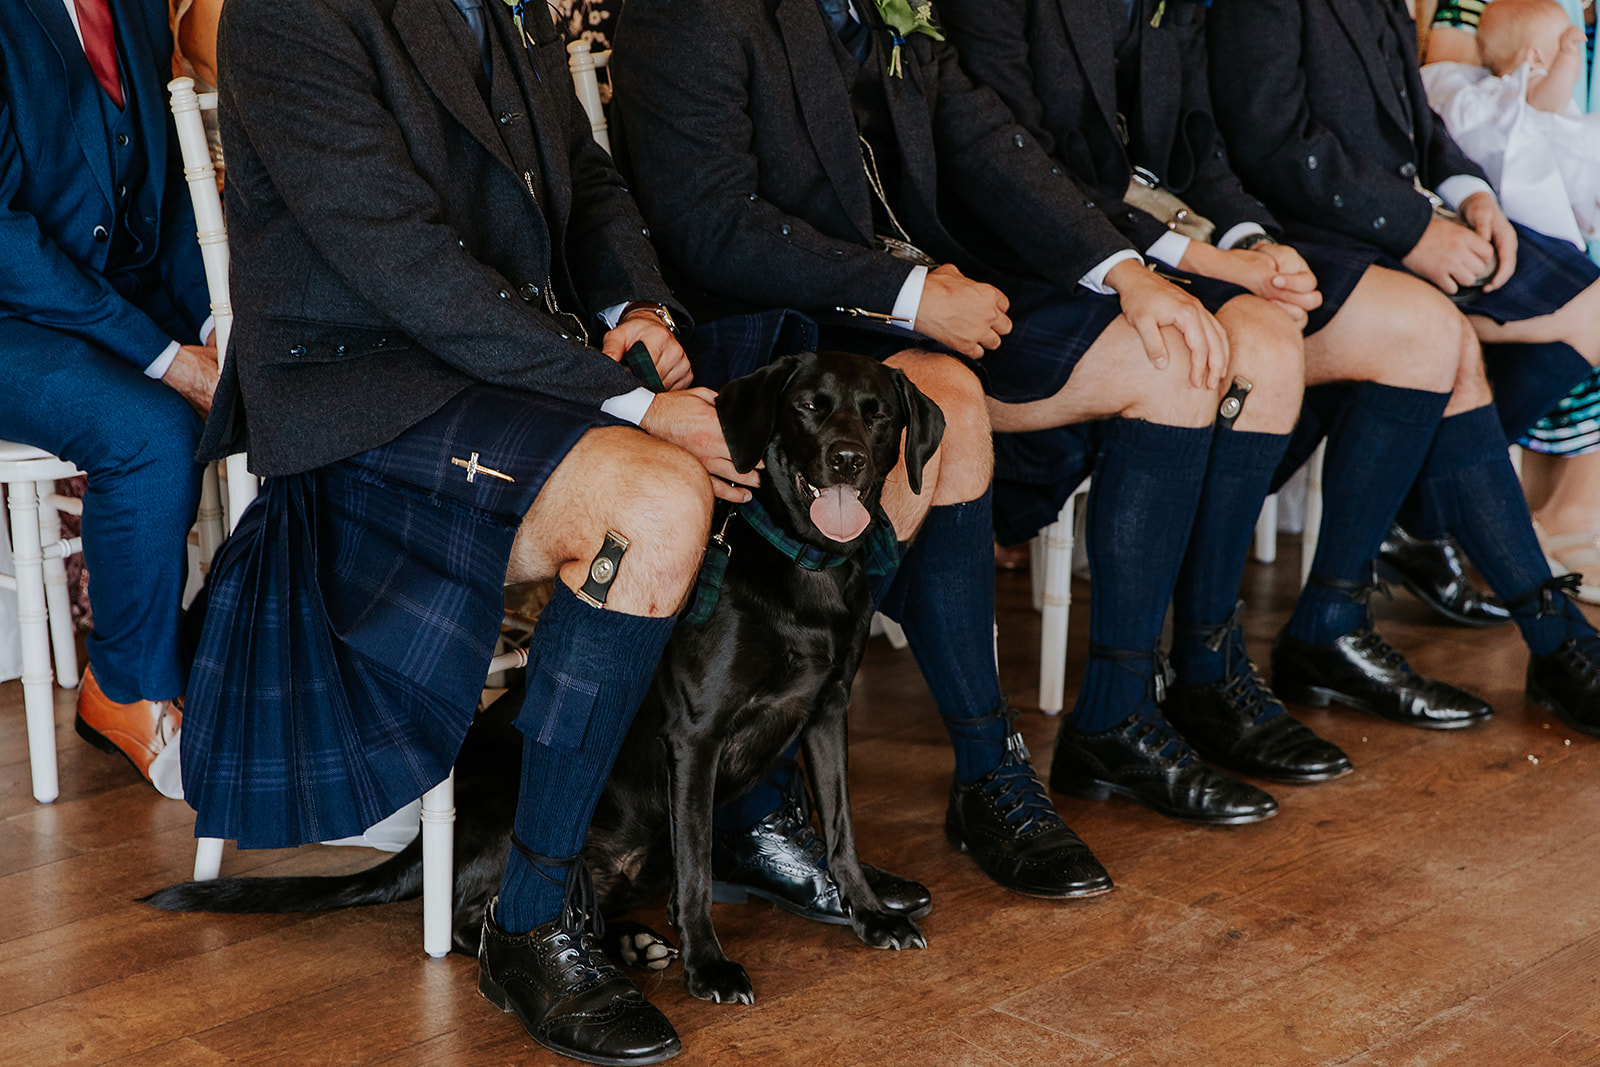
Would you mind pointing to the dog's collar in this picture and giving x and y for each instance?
(881, 554)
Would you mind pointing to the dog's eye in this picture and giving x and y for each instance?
(806, 405)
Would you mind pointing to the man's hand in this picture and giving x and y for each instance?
(1451, 255)
(672, 363)
(968, 316)
(689, 420)
(1150, 302)
(193, 374)
(1483, 212)
(1271, 271)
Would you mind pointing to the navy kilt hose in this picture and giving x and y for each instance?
(350, 620)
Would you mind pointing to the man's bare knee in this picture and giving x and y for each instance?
(1471, 386)
(1268, 352)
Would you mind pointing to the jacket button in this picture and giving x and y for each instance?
(381, 342)
(343, 350)
(645, 231)
(1379, 222)
(504, 295)
(836, 253)
(297, 351)
(1055, 170)
(1019, 140)
(1311, 162)
(1338, 201)
(784, 229)
(1408, 170)
(505, 118)
(461, 244)
(753, 196)
(101, 234)
(122, 140)
(529, 292)
(122, 192)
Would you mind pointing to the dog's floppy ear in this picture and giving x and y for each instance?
(924, 427)
(748, 409)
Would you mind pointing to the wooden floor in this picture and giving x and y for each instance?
(1440, 906)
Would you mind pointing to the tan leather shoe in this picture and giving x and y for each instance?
(138, 730)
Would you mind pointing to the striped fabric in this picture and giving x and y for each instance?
(1460, 14)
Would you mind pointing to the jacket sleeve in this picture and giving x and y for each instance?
(1005, 176)
(608, 245)
(690, 138)
(306, 95)
(40, 283)
(1280, 148)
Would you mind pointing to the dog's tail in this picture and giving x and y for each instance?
(397, 878)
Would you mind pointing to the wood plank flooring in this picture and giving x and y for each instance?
(1440, 906)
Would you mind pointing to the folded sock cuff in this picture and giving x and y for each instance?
(1418, 407)
(1159, 447)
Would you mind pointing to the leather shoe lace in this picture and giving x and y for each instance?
(1006, 822)
(1565, 682)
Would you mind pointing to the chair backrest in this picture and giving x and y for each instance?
(212, 233)
(585, 65)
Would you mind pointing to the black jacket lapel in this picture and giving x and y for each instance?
(1090, 36)
(1353, 15)
(445, 54)
(825, 104)
(81, 87)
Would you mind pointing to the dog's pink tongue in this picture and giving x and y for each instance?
(839, 515)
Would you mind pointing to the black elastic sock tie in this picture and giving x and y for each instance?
(1548, 598)
(580, 906)
(1158, 680)
(1003, 712)
(1360, 592)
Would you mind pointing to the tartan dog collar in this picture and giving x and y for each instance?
(882, 554)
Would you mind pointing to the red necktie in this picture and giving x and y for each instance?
(100, 45)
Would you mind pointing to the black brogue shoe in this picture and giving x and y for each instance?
(782, 860)
(1434, 572)
(1144, 760)
(1006, 822)
(1361, 670)
(1240, 724)
(568, 995)
(1565, 682)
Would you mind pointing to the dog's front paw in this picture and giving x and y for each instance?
(636, 945)
(885, 929)
(721, 980)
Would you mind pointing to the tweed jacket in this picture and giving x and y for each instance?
(58, 201)
(739, 127)
(1052, 62)
(398, 229)
(1321, 127)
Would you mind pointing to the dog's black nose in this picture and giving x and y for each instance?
(846, 462)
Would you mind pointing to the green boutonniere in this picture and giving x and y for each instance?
(905, 17)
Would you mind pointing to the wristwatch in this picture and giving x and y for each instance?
(651, 308)
(1250, 240)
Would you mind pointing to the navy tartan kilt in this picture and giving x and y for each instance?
(1338, 270)
(350, 620)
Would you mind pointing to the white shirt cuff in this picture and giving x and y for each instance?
(1169, 249)
(1455, 190)
(163, 362)
(1095, 280)
(611, 316)
(207, 327)
(909, 302)
(1239, 233)
(631, 407)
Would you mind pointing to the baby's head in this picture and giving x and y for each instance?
(1514, 32)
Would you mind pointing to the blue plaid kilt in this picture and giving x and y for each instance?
(350, 620)
(1338, 270)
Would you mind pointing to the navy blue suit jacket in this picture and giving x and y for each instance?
(56, 205)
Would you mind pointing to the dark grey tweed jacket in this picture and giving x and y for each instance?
(742, 143)
(1053, 63)
(1321, 126)
(395, 225)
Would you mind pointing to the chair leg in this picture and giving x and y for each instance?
(1313, 530)
(57, 602)
(209, 518)
(438, 865)
(207, 858)
(1267, 531)
(1056, 608)
(38, 694)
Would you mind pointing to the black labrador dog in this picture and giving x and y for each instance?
(772, 660)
